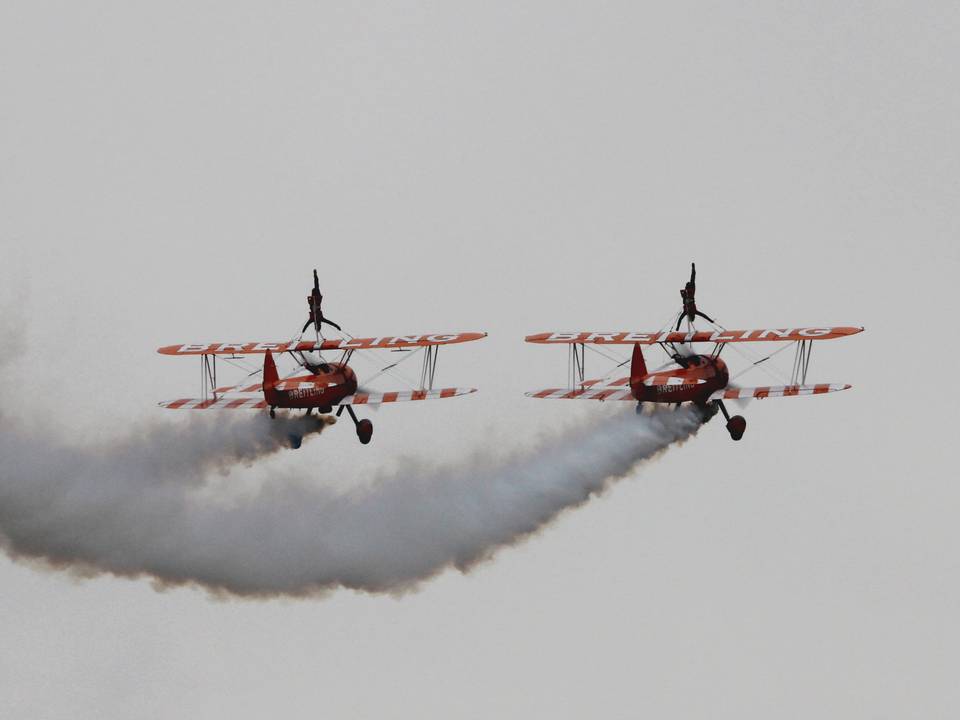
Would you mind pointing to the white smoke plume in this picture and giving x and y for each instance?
(136, 507)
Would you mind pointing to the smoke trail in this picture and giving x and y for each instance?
(135, 506)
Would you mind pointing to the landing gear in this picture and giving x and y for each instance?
(736, 425)
(364, 427)
(273, 413)
(639, 408)
(365, 431)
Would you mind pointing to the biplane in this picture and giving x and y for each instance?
(316, 383)
(688, 375)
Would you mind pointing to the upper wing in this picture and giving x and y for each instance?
(776, 391)
(389, 342)
(256, 402)
(714, 336)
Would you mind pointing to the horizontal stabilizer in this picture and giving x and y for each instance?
(301, 382)
(675, 377)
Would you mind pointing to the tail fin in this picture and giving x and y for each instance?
(638, 370)
(270, 376)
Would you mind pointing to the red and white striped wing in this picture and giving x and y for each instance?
(388, 342)
(604, 392)
(224, 402)
(378, 398)
(256, 402)
(676, 378)
(777, 391)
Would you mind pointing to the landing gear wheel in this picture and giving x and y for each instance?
(639, 409)
(736, 426)
(365, 431)
(273, 413)
(364, 427)
(295, 441)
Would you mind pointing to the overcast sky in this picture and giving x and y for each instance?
(171, 172)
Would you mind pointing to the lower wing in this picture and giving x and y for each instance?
(599, 393)
(731, 393)
(378, 398)
(223, 402)
(256, 402)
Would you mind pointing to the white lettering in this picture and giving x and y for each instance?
(231, 346)
(192, 348)
(441, 338)
(814, 332)
(266, 346)
(718, 336)
(607, 337)
(410, 339)
(635, 337)
(562, 337)
(779, 333)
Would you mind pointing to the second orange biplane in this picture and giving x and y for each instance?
(689, 376)
(325, 384)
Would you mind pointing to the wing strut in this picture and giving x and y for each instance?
(801, 362)
(208, 376)
(429, 367)
(576, 366)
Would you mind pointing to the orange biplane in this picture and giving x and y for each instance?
(324, 384)
(688, 376)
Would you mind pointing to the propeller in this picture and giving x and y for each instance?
(374, 407)
(740, 402)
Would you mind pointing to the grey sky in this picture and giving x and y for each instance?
(171, 172)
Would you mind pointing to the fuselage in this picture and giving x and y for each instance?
(323, 389)
(694, 383)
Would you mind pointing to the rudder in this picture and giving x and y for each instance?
(638, 371)
(270, 378)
